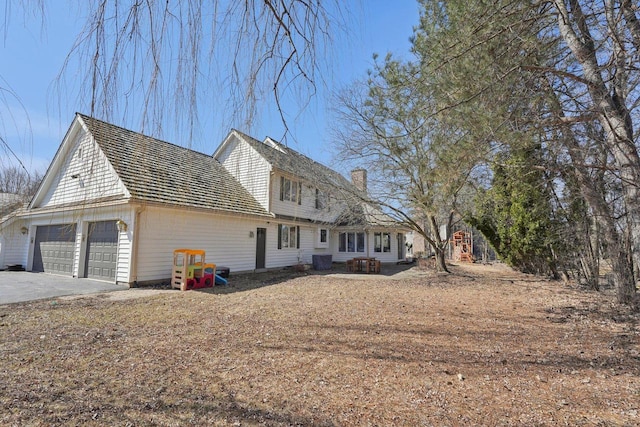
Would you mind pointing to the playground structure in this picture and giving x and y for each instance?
(462, 244)
(190, 271)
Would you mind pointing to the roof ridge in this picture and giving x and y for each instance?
(292, 151)
(85, 116)
(153, 170)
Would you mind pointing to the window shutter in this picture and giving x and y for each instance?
(299, 193)
(281, 188)
(279, 236)
(298, 237)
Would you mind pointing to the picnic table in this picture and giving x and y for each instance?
(364, 265)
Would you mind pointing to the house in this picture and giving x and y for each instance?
(316, 209)
(114, 204)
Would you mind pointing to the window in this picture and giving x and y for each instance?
(321, 199)
(382, 242)
(351, 242)
(290, 191)
(288, 236)
(322, 238)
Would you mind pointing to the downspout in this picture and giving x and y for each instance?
(366, 240)
(134, 250)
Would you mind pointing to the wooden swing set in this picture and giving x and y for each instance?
(462, 244)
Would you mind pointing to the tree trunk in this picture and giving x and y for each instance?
(609, 104)
(622, 270)
(622, 267)
(440, 244)
(441, 265)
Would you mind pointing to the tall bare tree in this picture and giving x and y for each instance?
(418, 165)
(159, 64)
(164, 59)
(602, 38)
(15, 180)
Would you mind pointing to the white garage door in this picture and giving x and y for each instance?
(102, 250)
(54, 249)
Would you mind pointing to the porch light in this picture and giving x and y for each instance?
(24, 230)
(122, 226)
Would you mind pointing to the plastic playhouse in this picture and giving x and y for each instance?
(190, 271)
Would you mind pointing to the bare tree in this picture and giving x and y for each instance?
(17, 181)
(602, 38)
(417, 164)
(165, 59)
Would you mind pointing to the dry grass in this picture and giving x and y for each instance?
(485, 346)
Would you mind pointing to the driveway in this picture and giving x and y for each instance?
(20, 286)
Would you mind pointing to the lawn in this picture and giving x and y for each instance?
(483, 346)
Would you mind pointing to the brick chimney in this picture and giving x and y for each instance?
(359, 179)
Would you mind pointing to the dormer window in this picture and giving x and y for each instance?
(290, 191)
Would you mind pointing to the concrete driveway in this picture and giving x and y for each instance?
(19, 286)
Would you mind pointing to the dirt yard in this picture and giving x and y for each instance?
(483, 346)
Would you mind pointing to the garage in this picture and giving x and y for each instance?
(102, 250)
(54, 249)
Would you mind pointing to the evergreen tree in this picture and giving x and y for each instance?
(516, 215)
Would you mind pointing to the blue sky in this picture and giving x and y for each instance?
(35, 115)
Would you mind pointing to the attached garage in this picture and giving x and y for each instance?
(102, 251)
(54, 249)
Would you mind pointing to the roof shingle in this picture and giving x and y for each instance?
(157, 171)
(299, 165)
(359, 209)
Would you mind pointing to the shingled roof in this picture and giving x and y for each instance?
(157, 171)
(359, 210)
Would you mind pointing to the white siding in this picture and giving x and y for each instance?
(290, 256)
(124, 255)
(248, 167)
(14, 246)
(85, 174)
(279, 257)
(79, 254)
(307, 207)
(285, 256)
(228, 241)
(308, 244)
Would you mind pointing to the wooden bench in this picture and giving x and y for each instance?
(373, 266)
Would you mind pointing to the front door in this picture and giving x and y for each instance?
(261, 248)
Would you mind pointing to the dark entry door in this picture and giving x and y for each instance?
(261, 248)
(401, 246)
